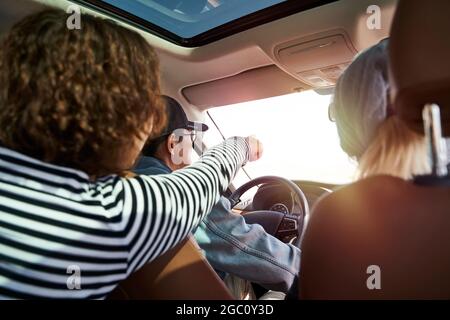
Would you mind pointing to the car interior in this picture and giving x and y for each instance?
(216, 53)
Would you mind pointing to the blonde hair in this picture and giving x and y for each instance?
(395, 150)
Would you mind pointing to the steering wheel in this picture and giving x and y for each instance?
(286, 226)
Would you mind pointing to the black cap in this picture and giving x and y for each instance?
(177, 119)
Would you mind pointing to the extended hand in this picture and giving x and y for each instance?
(255, 148)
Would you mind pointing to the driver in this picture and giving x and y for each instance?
(230, 245)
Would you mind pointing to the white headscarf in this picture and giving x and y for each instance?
(361, 99)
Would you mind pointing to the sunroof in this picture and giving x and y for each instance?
(197, 22)
(190, 18)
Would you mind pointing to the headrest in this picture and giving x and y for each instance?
(420, 60)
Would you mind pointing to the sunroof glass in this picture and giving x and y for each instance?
(189, 18)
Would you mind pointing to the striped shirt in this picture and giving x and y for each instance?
(63, 235)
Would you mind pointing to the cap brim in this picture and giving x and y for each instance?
(197, 126)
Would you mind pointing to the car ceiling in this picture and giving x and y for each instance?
(241, 55)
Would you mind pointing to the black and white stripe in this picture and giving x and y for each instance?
(53, 217)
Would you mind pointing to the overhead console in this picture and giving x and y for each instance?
(317, 60)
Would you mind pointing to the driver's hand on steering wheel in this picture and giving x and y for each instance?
(255, 148)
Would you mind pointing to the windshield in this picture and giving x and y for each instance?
(300, 142)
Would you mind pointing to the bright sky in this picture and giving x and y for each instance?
(300, 142)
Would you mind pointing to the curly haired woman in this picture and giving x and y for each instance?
(76, 107)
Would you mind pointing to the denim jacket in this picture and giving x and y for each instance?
(235, 247)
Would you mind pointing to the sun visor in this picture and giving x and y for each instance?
(260, 83)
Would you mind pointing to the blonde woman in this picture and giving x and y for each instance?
(373, 239)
